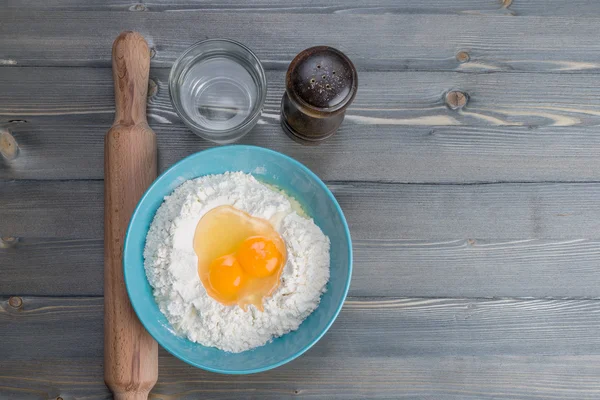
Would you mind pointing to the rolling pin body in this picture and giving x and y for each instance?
(130, 353)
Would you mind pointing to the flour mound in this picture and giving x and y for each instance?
(171, 264)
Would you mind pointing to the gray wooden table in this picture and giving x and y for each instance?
(476, 228)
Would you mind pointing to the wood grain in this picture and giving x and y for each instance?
(70, 147)
(581, 8)
(280, 6)
(450, 268)
(425, 348)
(409, 98)
(507, 132)
(496, 199)
(404, 42)
(73, 209)
(403, 326)
(443, 378)
(130, 353)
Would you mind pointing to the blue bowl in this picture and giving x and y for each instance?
(271, 167)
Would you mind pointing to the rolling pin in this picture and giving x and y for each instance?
(130, 353)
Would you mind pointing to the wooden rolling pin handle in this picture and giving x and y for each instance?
(130, 353)
(131, 67)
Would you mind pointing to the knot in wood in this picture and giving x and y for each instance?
(15, 301)
(8, 242)
(456, 99)
(138, 7)
(462, 57)
(152, 88)
(8, 145)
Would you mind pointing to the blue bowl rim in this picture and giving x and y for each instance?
(346, 232)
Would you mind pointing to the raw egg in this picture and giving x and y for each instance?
(240, 257)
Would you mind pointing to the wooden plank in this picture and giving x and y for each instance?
(52, 267)
(407, 131)
(452, 268)
(71, 147)
(73, 210)
(427, 377)
(405, 42)
(583, 8)
(278, 6)
(378, 348)
(579, 8)
(477, 268)
(384, 98)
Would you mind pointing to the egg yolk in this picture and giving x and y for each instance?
(226, 276)
(240, 257)
(259, 256)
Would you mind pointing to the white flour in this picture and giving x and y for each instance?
(171, 264)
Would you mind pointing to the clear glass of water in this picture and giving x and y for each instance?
(218, 87)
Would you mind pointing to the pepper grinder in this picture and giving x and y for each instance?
(321, 82)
